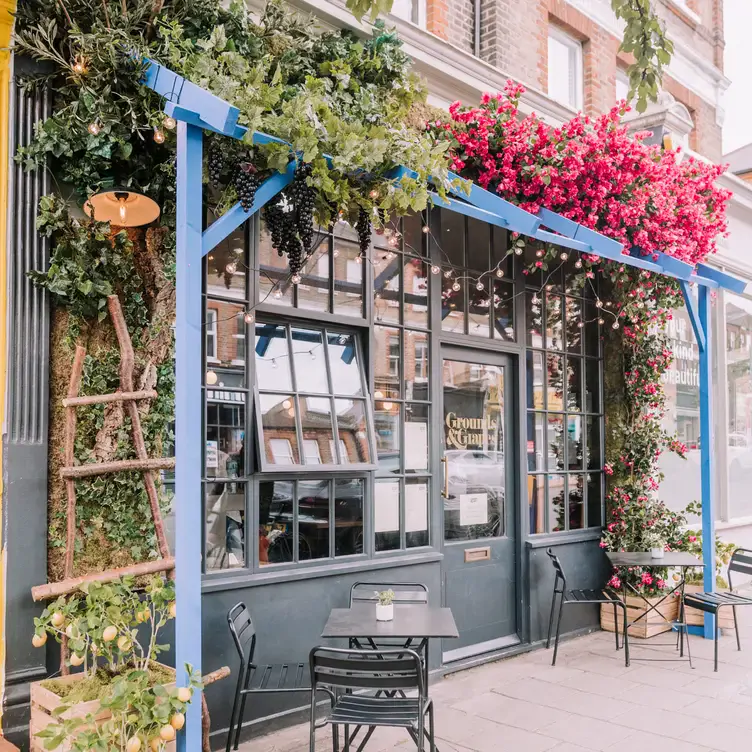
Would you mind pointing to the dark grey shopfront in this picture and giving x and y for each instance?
(431, 414)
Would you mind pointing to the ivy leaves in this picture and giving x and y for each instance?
(645, 38)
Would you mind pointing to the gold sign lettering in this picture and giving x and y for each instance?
(468, 432)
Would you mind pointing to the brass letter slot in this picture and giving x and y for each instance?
(477, 554)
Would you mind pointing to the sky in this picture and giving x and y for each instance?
(737, 21)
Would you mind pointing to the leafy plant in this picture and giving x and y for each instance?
(386, 597)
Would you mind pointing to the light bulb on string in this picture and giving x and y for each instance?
(456, 287)
(578, 264)
(580, 324)
(277, 294)
(426, 229)
(374, 193)
(448, 274)
(601, 321)
(435, 269)
(231, 268)
(94, 128)
(394, 241)
(615, 325)
(79, 67)
(599, 303)
(159, 135)
(211, 377)
(479, 286)
(295, 279)
(499, 272)
(249, 317)
(170, 123)
(540, 253)
(518, 251)
(549, 288)
(564, 256)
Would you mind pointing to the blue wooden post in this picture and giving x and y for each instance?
(706, 452)
(188, 349)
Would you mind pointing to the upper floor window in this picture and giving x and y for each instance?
(564, 68)
(622, 86)
(410, 10)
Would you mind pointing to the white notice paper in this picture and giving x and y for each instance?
(386, 507)
(416, 507)
(212, 454)
(416, 446)
(474, 509)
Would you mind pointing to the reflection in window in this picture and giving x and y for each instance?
(276, 518)
(348, 517)
(211, 334)
(224, 505)
(351, 423)
(313, 519)
(225, 434)
(278, 428)
(536, 495)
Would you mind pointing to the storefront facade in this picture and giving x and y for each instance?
(429, 415)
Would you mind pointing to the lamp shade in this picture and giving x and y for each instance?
(122, 207)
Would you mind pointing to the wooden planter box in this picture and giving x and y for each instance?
(44, 702)
(695, 617)
(650, 625)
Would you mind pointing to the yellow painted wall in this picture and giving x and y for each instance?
(7, 7)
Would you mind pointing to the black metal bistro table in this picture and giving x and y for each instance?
(670, 559)
(414, 625)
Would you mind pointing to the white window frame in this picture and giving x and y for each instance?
(311, 452)
(574, 46)
(419, 8)
(621, 77)
(211, 331)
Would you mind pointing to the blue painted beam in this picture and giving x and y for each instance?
(694, 314)
(217, 113)
(188, 412)
(234, 217)
(557, 223)
(469, 210)
(673, 267)
(700, 280)
(727, 281)
(706, 452)
(562, 240)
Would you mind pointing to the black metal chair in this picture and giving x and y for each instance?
(385, 672)
(581, 597)
(257, 679)
(712, 603)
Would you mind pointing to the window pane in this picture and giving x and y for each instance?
(313, 519)
(225, 342)
(386, 514)
(273, 271)
(387, 377)
(592, 386)
(556, 492)
(555, 442)
(562, 71)
(534, 322)
(554, 329)
(574, 325)
(387, 419)
(310, 360)
(594, 499)
(318, 435)
(452, 238)
(535, 441)
(278, 424)
(225, 434)
(536, 499)
(452, 304)
(211, 332)
(415, 275)
(276, 540)
(479, 309)
(313, 290)
(504, 311)
(416, 512)
(478, 245)
(416, 437)
(351, 423)
(535, 394)
(592, 329)
(224, 506)
(348, 279)
(594, 459)
(555, 381)
(348, 517)
(413, 235)
(226, 272)
(272, 357)
(386, 284)
(576, 502)
(417, 365)
(344, 366)
(574, 442)
(574, 384)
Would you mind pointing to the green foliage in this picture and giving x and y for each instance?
(645, 38)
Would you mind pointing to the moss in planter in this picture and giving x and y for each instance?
(97, 687)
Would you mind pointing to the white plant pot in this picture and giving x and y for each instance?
(657, 553)
(384, 613)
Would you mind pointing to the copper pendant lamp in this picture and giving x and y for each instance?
(122, 207)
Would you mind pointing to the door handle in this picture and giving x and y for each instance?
(445, 489)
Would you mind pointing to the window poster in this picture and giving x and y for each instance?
(416, 507)
(212, 454)
(474, 509)
(386, 507)
(416, 446)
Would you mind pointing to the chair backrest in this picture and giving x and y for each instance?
(741, 561)
(558, 569)
(386, 670)
(411, 593)
(243, 632)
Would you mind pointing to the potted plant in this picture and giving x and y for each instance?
(121, 698)
(385, 606)
(655, 543)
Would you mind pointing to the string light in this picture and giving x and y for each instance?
(601, 321)
(518, 250)
(456, 287)
(435, 269)
(578, 264)
(374, 193)
(540, 253)
(580, 324)
(211, 377)
(231, 268)
(426, 229)
(394, 241)
(448, 274)
(94, 128)
(277, 294)
(170, 123)
(599, 303)
(615, 325)
(79, 67)
(159, 135)
(549, 288)
(249, 317)
(564, 256)
(295, 279)
(479, 286)
(499, 272)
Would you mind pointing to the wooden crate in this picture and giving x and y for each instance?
(653, 624)
(44, 703)
(695, 616)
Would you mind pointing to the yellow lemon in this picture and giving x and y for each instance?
(76, 660)
(70, 630)
(109, 634)
(167, 733)
(124, 642)
(38, 640)
(133, 744)
(57, 619)
(184, 694)
(177, 721)
(173, 610)
(155, 744)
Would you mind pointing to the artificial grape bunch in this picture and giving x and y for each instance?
(246, 182)
(302, 196)
(215, 164)
(363, 227)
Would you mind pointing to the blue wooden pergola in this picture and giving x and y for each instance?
(196, 111)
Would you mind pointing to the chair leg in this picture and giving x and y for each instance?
(431, 729)
(736, 629)
(335, 738)
(551, 619)
(558, 629)
(626, 637)
(616, 625)
(420, 741)
(239, 725)
(347, 738)
(715, 641)
(235, 703)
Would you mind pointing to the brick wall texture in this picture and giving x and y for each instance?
(514, 38)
